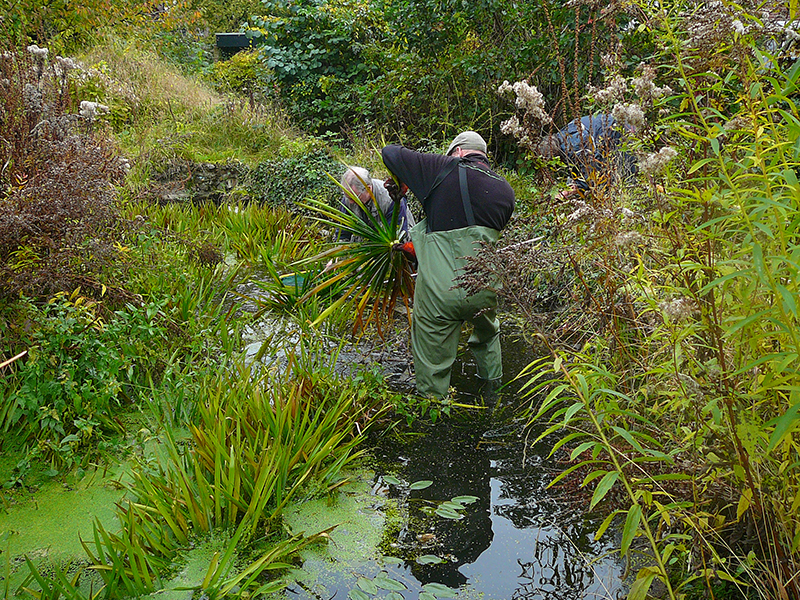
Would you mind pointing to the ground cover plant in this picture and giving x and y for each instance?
(155, 329)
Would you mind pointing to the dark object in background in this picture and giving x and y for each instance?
(590, 147)
(229, 44)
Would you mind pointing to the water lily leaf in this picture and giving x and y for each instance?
(392, 560)
(367, 585)
(420, 485)
(426, 596)
(394, 596)
(464, 499)
(429, 559)
(392, 480)
(387, 583)
(439, 590)
(448, 513)
(451, 506)
(356, 594)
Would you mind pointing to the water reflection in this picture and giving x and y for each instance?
(518, 540)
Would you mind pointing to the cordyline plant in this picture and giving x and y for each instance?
(366, 273)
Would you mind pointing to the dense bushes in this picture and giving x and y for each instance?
(287, 181)
(427, 69)
(675, 342)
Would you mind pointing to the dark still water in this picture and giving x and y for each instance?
(517, 540)
(468, 513)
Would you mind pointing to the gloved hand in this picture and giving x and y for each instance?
(396, 192)
(407, 247)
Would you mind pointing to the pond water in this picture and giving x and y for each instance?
(511, 538)
(515, 539)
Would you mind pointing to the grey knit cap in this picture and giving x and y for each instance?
(468, 140)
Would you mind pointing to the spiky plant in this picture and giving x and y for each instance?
(372, 276)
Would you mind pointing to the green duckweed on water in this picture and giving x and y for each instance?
(48, 524)
(353, 549)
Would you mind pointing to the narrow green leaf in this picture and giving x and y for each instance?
(789, 303)
(606, 483)
(642, 584)
(631, 527)
(758, 262)
(580, 449)
(605, 525)
(390, 479)
(783, 425)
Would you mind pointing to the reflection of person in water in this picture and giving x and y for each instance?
(449, 458)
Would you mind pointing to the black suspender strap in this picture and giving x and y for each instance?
(462, 183)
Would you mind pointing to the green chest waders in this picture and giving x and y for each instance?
(440, 310)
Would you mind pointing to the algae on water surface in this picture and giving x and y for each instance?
(46, 526)
(359, 516)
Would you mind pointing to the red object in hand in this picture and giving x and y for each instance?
(407, 247)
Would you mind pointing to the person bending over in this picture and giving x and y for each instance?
(465, 203)
(374, 196)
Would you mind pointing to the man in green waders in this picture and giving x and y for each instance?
(465, 203)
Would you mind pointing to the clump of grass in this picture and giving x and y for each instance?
(172, 114)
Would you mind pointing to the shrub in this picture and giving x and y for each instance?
(310, 45)
(287, 181)
(58, 214)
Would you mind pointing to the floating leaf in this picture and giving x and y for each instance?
(426, 596)
(448, 513)
(387, 583)
(451, 506)
(394, 596)
(392, 480)
(429, 559)
(356, 594)
(439, 590)
(420, 485)
(465, 499)
(367, 585)
(392, 560)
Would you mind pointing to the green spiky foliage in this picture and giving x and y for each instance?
(371, 275)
